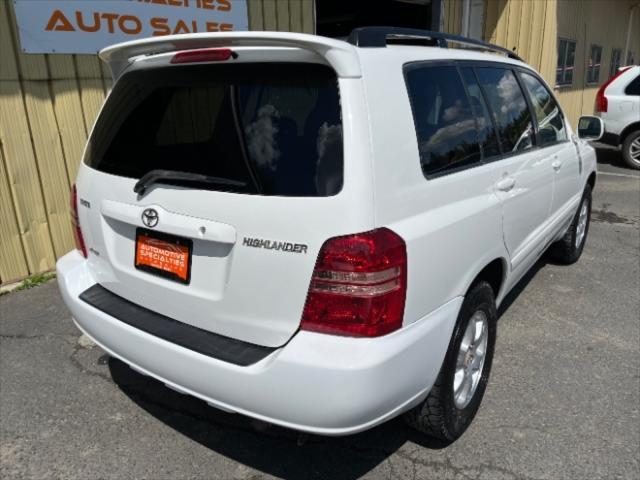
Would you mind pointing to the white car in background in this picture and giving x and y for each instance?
(618, 105)
(318, 233)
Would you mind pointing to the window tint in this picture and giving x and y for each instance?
(593, 68)
(566, 61)
(634, 87)
(445, 125)
(509, 108)
(486, 132)
(550, 123)
(277, 128)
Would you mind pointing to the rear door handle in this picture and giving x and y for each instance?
(506, 184)
(557, 165)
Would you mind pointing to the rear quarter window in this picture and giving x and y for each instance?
(634, 87)
(275, 127)
(443, 118)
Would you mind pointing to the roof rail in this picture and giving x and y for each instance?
(377, 37)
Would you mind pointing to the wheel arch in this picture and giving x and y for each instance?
(494, 273)
(591, 181)
(628, 130)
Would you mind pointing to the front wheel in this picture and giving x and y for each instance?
(455, 397)
(631, 150)
(568, 249)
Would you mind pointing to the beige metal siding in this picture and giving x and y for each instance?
(532, 29)
(48, 104)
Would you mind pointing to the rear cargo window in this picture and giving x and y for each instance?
(275, 127)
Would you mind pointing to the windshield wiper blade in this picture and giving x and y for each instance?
(163, 176)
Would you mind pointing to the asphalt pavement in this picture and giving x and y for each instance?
(562, 403)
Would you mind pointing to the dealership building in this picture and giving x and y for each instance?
(52, 84)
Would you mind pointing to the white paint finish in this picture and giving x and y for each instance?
(317, 383)
(454, 225)
(183, 225)
(252, 294)
(623, 110)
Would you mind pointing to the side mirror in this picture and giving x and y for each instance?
(590, 128)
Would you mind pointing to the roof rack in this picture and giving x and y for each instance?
(377, 37)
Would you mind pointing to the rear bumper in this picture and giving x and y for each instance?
(317, 383)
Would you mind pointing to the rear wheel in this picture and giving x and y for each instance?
(631, 150)
(568, 249)
(456, 395)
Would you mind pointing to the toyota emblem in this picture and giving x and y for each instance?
(150, 217)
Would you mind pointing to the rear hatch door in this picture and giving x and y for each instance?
(245, 171)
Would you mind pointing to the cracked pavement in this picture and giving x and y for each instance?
(563, 400)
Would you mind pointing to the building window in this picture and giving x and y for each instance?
(566, 61)
(631, 58)
(616, 54)
(593, 69)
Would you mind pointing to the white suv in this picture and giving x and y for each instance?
(315, 232)
(618, 104)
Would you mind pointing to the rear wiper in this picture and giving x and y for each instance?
(163, 176)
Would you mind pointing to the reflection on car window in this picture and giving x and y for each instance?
(275, 127)
(486, 131)
(550, 123)
(445, 125)
(509, 106)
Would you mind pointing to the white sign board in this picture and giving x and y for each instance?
(87, 26)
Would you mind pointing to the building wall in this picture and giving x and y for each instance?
(532, 28)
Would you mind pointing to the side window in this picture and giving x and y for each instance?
(444, 122)
(566, 61)
(593, 68)
(486, 132)
(509, 107)
(550, 122)
(634, 87)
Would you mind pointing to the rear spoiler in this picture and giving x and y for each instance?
(340, 55)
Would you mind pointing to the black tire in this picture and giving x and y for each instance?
(438, 416)
(626, 149)
(565, 250)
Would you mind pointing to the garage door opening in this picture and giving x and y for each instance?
(336, 18)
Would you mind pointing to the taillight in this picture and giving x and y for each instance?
(204, 55)
(602, 103)
(359, 285)
(75, 223)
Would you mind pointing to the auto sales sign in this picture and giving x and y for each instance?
(87, 26)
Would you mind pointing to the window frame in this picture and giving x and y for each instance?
(591, 67)
(533, 110)
(568, 41)
(613, 68)
(516, 69)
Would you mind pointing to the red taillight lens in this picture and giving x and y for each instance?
(204, 55)
(358, 286)
(75, 223)
(602, 103)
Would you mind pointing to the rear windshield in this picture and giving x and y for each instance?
(275, 127)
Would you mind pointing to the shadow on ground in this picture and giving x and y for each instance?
(274, 450)
(609, 155)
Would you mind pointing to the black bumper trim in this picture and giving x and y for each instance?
(187, 336)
